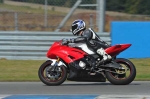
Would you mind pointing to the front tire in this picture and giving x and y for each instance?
(122, 79)
(52, 78)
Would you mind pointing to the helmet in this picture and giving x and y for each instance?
(77, 26)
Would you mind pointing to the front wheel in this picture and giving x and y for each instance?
(119, 77)
(51, 75)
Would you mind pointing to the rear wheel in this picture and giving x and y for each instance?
(51, 75)
(122, 77)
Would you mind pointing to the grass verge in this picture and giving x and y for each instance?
(28, 9)
(19, 70)
(142, 68)
(27, 70)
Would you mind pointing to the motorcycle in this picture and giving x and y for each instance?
(77, 59)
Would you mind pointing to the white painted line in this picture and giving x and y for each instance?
(3, 96)
(123, 97)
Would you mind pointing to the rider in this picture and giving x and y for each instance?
(88, 36)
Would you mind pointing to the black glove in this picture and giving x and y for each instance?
(65, 41)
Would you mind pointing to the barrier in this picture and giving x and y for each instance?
(25, 45)
(135, 33)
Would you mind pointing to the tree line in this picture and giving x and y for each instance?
(127, 6)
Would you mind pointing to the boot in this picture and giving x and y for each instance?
(102, 52)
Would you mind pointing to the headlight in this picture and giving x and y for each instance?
(82, 64)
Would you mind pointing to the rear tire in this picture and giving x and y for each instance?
(46, 80)
(121, 80)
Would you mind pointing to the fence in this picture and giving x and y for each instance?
(46, 15)
(25, 16)
(22, 45)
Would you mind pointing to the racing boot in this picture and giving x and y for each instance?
(102, 52)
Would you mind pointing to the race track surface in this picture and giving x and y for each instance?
(136, 88)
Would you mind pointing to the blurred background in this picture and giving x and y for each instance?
(57, 15)
(29, 27)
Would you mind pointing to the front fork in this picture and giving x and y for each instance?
(54, 66)
(57, 62)
(54, 71)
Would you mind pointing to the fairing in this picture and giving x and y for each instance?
(116, 49)
(68, 54)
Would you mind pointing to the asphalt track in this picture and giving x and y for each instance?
(136, 89)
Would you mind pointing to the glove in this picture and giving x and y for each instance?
(65, 41)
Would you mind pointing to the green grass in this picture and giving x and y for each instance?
(28, 9)
(19, 70)
(27, 70)
(143, 68)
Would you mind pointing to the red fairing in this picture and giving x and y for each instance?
(68, 54)
(116, 49)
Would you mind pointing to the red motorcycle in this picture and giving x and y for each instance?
(79, 59)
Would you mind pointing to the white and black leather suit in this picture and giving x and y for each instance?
(92, 40)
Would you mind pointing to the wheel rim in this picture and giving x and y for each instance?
(52, 76)
(123, 74)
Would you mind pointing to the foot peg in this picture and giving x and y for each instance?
(103, 61)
